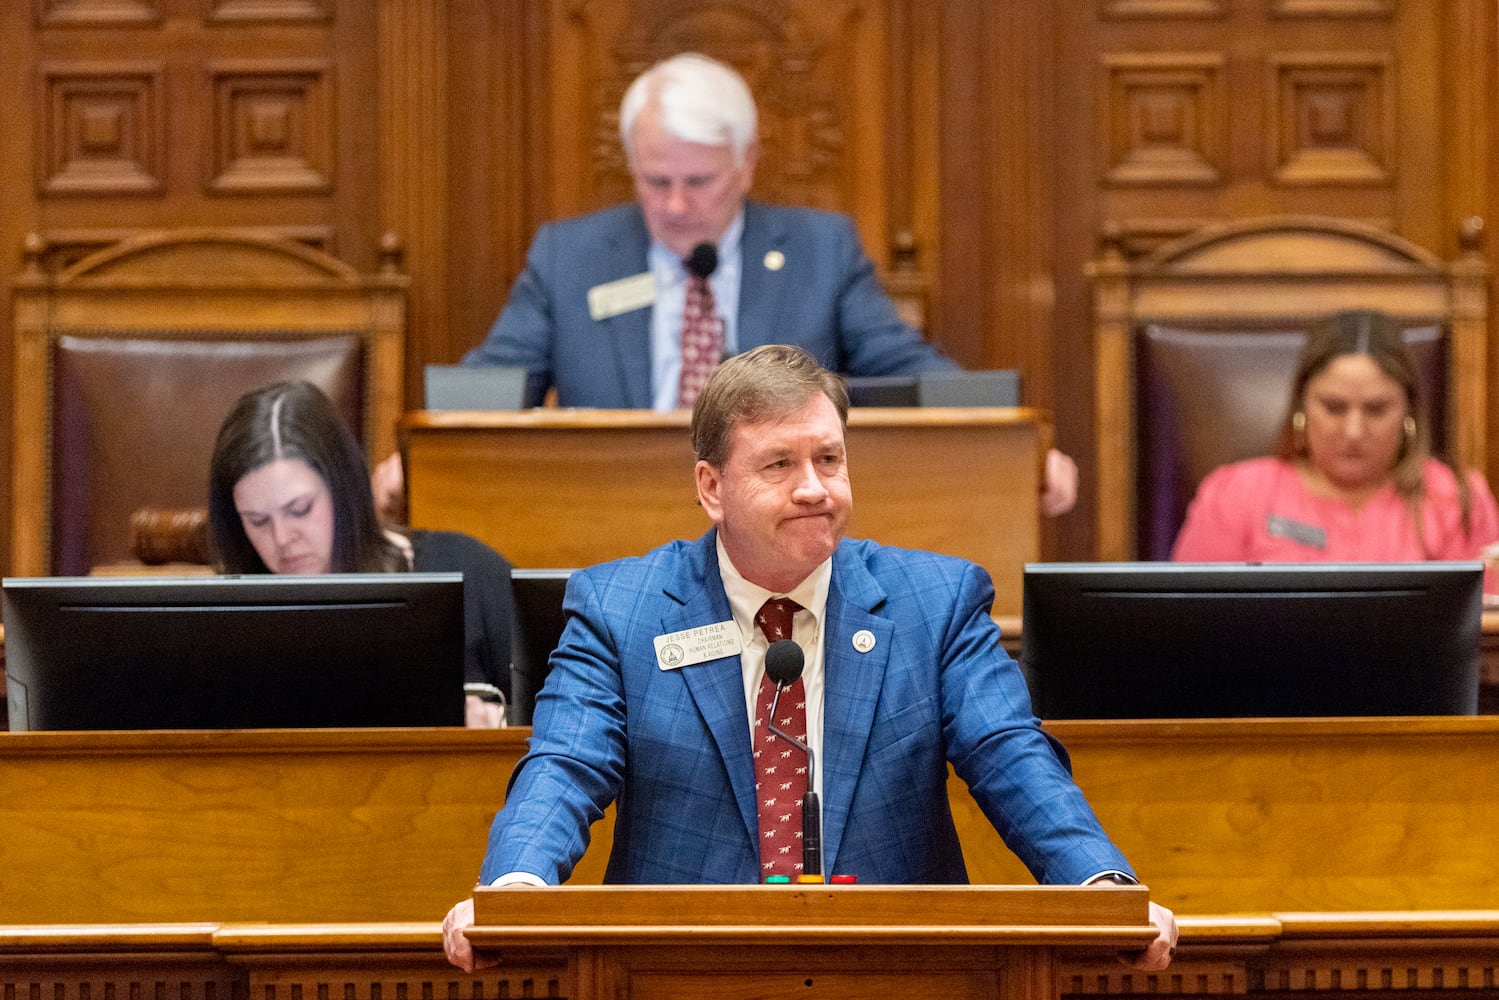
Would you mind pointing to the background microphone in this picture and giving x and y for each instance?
(703, 260)
(783, 664)
(701, 263)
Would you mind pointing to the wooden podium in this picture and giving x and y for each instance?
(833, 941)
(553, 488)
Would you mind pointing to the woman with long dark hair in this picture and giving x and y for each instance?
(289, 492)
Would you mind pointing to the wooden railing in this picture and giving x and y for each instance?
(1373, 955)
(1337, 856)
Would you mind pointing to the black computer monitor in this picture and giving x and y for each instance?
(1190, 640)
(247, 652)
(538, 625)
(992, 387)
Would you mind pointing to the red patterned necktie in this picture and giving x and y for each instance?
(702, 340)
(780, 768)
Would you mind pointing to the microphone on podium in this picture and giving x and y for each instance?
(783, 663)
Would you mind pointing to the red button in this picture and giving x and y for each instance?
(844, 879)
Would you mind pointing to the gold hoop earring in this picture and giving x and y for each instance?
(1410, 428)
(1298, 422)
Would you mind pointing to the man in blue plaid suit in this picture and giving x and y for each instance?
(650, 701)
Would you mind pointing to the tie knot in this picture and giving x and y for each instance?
(775, 616)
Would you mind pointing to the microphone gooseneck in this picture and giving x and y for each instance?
(784, 661)
(703, 260)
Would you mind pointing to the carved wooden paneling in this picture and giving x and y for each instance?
(97, 13)
(1139, 235)
(173, 964)
(994, 296)
(1219, 956)
(1235, 955)
(813, 69)
(249, 11)
(1324, 968)
(804, 127)
(417, 194)
(1331, 118)
(169, 976)
(272, 127)
(1163, 8)
(298, 981)
(104, 129)
(66, 247)
(1332, 8)
(1164, 115)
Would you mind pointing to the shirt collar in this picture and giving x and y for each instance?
(668, 267)
(746, 598)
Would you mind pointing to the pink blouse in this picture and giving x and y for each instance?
(1260, 511)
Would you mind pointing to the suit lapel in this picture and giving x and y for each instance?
(717, 687)
(629, 334)
(762, 292)
(851, 687)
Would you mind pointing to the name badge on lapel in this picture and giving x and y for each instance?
(625, 295)
(697, 645)
(1280, 526)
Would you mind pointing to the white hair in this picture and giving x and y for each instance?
(700, 100)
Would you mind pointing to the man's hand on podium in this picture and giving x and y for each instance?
(456, 945)
(1158, 954)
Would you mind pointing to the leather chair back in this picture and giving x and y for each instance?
(1210, 397)
(128, 361)
(134, 421)
(1195, 345)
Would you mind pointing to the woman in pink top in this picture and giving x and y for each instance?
(1355, 479)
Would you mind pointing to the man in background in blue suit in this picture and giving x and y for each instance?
(598, 311)
(575, 321)
(651, 702)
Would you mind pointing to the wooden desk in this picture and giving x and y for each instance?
(570, 488)
(352, 826)
(1269, 815)
(307, 825)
